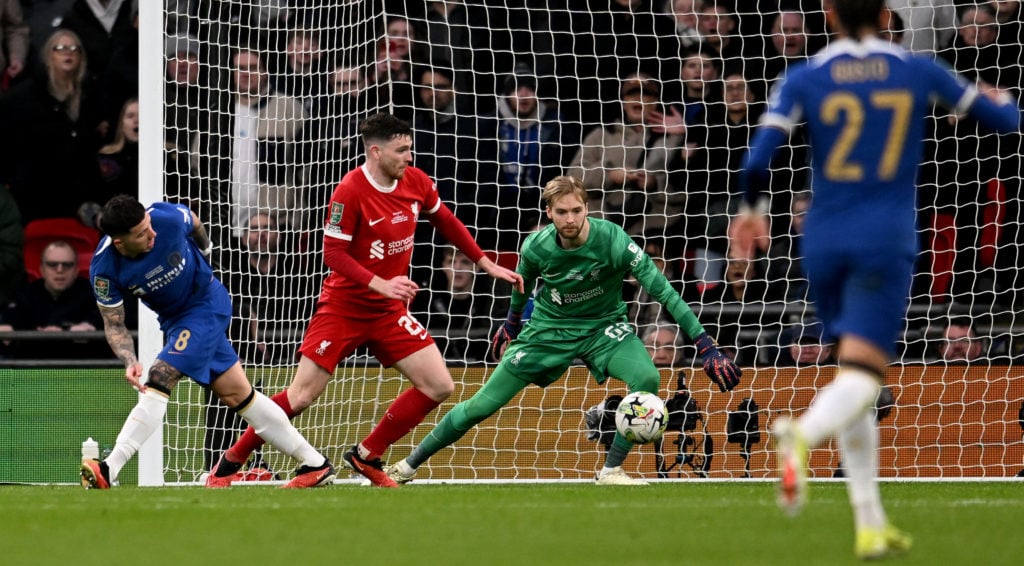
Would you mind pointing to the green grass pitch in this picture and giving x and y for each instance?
(483, 524)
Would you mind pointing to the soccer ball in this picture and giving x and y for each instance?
(641, 417)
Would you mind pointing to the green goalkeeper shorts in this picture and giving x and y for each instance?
(541, 356)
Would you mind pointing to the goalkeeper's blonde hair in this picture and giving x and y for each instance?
(563, 185)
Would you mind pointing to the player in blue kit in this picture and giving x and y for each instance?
(864, 102)
(157, 254)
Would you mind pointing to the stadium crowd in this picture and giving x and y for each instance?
(651, 103)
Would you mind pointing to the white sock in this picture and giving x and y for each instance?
(272, 424)
(858, 445)
(141, 422)
(850, 396)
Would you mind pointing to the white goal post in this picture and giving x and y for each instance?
(334, 62)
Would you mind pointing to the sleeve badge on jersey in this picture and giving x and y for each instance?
(337, 209)
(102, 287)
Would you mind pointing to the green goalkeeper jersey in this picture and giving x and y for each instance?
(582, 288)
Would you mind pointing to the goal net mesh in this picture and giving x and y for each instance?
(651, 104)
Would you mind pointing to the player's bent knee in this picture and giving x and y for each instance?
(649, 383)
(470, 413)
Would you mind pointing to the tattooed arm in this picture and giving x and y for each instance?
(121, 343)
(200, 237)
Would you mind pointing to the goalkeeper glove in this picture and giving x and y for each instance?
(717, 365)
(507, 333)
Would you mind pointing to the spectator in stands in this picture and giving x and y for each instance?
(186, 110)
(120, 80)
(960, 344)
(892, 28)
(449, 143)
(119, 160)
(333, 132)
(249, 157)
(12, 247)
(664, 344)
(717, 26)
(684, 17)
(929, 23)
(447, 33)
(102, 27)
(304, 76)
(456, 308)
(974, 50)
(397, 52)
(706, 170)
(623, 165)
(274, 294)
(534, 144)
(785, 257)
(803, 344)
(14, 37)
(788, 45)
(59, 301)
(51, 164)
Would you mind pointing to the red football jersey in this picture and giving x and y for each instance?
(379, 223)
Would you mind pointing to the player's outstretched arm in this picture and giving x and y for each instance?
(719, 368)
(200, 237)
(498, 272)
(121, 343)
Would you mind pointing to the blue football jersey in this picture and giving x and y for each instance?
(169, 279)
(864, 105)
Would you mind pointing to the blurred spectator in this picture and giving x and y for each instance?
(58, 301)
(447, 33)
(785, 257)
(14, 37)
(707, 170)
(272, 291)
(684, 17)
(929, 23)
(717, 26)
(451, 144)
(663, 344)
(974, 50)
(959, 343)
(102, 27)
(51, 164)
(119, 160)
(304, 75)
(788, 45)
(534, 144)
(803, 344)
(249, 156)
(456, 309)
(397, 52)
(186, 109)
(892, 29)
(12, 247)
(333, 134)
(120, 80)
(623, 165)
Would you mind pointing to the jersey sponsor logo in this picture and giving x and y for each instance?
(337, 209)
(556, 297)
(102, 287)
(377, 221)
(324, 344)
(582, 296)
(377, 249)
(638, 254)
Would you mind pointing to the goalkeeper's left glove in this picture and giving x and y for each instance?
(717, 365)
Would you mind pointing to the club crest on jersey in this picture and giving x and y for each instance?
(337, 209)
(415, 209)
(102, 287)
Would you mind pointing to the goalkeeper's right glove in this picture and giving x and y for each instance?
(717, 365)
(507, 333)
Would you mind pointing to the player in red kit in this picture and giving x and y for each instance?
(368, 241)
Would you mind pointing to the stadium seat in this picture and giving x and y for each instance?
(943, 253)
(508, 260)
(993, 213)
(39, 234)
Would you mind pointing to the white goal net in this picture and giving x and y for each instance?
(651, 104)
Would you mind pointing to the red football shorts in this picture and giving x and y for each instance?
(390, 335)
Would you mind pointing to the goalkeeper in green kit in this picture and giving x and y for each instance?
(579, 313)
